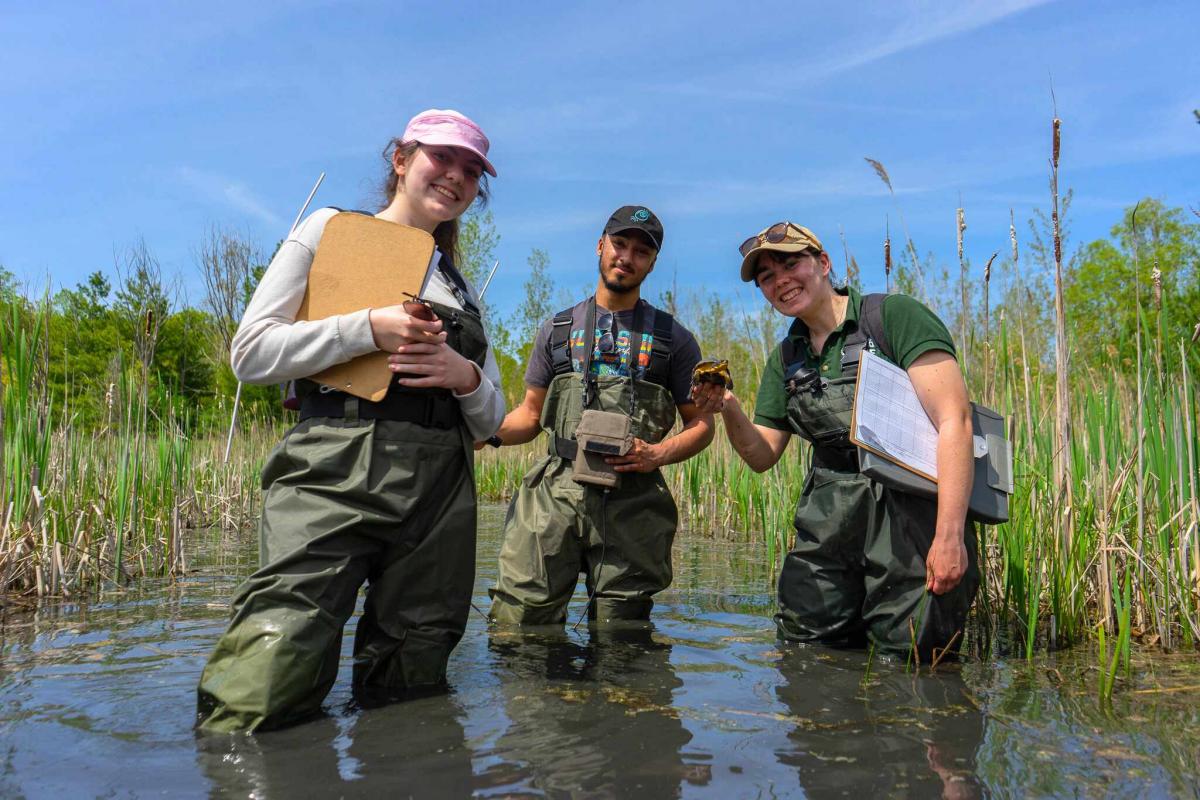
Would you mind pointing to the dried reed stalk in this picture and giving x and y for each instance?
(960, 219)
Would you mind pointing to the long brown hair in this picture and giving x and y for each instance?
(445, 235)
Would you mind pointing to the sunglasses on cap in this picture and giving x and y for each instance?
(779, 232)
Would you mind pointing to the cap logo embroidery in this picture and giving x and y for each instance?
(641, 215)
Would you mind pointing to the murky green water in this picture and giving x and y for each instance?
(97, 700)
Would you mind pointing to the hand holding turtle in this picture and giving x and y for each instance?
(712, 384)
(710, 398)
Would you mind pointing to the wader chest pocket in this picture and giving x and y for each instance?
(601, 434)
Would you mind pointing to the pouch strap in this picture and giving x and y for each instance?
(563, 447)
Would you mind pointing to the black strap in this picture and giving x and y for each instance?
(458, 284)
(560, 343)
(563, 447)
(787, 348)
(659, 371)
(870, 322)
(589, 344)
(426, 409)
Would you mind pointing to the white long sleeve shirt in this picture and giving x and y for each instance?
(272, 346)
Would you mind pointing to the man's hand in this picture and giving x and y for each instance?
(946, 563)
(642, 457)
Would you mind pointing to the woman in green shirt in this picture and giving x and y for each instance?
(869, 562)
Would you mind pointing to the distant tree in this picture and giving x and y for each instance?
(141, 303)
(227, 262)
(477, 241)
(535, 307)
(1102, 285)
(84, 339)
(8, 285)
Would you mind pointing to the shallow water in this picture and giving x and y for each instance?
(98, 699)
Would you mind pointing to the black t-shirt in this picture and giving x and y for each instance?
(616, 358)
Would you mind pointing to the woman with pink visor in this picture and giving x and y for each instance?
(361, 491)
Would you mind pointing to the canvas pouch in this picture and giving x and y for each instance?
(601, 434)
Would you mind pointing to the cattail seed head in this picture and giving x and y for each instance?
(1057, 125)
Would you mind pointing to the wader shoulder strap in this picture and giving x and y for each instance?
(560, 342)
(870, 323)
(659, 371)
(458, 284)
(589, 344)
(787, 348)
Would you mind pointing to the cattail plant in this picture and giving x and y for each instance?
(1062, 428)
(912, 249)
(887, 257)
(987, 333)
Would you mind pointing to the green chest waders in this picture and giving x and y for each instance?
(858, 564)
(556, 527)
(357, 492)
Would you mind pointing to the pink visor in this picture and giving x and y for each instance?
(450, 128)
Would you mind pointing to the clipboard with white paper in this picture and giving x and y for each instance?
(897, 442)
(889, 420)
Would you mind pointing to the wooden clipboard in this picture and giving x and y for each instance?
(364, 262)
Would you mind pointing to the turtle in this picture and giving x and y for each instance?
(716, 372)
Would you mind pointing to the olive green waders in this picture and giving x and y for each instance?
(382, 493)
(347, 502)
(556, 527)
(858, 565)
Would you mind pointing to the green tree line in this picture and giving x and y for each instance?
(1145, 275)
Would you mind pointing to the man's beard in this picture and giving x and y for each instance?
(618, 288)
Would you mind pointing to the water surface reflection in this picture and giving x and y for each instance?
(700, 703)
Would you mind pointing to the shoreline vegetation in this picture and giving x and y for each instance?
(114, 407)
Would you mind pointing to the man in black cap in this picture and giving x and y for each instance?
(605, 380)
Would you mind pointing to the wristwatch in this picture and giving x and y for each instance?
(494, 440)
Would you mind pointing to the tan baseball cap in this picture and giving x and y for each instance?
(782, 237)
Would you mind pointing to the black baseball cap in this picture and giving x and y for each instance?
(636, 218)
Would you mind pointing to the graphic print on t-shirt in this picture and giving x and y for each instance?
(611, 359)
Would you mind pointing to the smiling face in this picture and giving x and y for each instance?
(796, 284)
(625, 260)
(437, 183)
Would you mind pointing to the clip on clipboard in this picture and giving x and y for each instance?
(897, 443)
(364, 262)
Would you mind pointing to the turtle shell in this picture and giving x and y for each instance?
(716, 372)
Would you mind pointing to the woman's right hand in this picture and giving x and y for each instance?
(710, 398)
(404, 323)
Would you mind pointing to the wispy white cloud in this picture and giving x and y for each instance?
(924, 24)
(228, 192)
(915, 25)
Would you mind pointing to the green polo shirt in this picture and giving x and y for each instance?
(912, 330)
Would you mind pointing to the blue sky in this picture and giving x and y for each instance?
(121, 120)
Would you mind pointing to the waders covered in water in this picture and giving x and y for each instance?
(620, 536)
(381, 493)
(857, 569)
